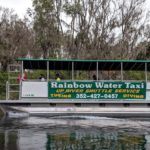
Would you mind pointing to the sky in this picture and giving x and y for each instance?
(20, 6)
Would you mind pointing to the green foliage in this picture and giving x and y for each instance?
(141, 56)
(81, 75)
(46, 27)
(34, 75)
(43, 5)
(3, 79)
(134, 75)
(72, 9)
(148, 50)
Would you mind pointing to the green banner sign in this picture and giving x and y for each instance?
(96, 90)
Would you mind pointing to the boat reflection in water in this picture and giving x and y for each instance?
(95, 140)
(74, 134)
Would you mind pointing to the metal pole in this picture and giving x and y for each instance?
(72, 70)
(21, 69)
(20, 83)
(97, 70)
(121, 71)
(7, 90)
(146, 72)
(47, 71)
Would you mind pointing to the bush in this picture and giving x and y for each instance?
(3, 80)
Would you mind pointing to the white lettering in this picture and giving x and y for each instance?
(54, 84)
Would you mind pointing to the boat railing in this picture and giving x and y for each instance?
(38, 80)
(13, 85)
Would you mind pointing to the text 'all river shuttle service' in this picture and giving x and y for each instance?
(115, 88)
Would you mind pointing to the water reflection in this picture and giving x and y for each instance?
(9, 140)
(95, 141)
(56, 134)
(74, 140)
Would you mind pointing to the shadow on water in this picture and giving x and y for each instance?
(76, 133)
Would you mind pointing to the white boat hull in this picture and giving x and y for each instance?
(57, 111)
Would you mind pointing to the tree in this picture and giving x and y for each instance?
(47, 27)
(104, 28)
(15, 37)
(131, 26)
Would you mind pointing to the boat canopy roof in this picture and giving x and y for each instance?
(76, 64)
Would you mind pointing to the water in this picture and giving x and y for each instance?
(74, 133)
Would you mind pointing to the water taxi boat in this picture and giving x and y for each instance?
(104, 91)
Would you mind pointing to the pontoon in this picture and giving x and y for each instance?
(111, 94)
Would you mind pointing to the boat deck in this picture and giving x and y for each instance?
(64, 101)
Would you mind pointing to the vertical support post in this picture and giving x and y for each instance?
(7, 84)
(121, 71)
(7, 90)
(72, 70)
(145, 71)
(20, 83)
(47, 71)
(21, 68)
(97, 70)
